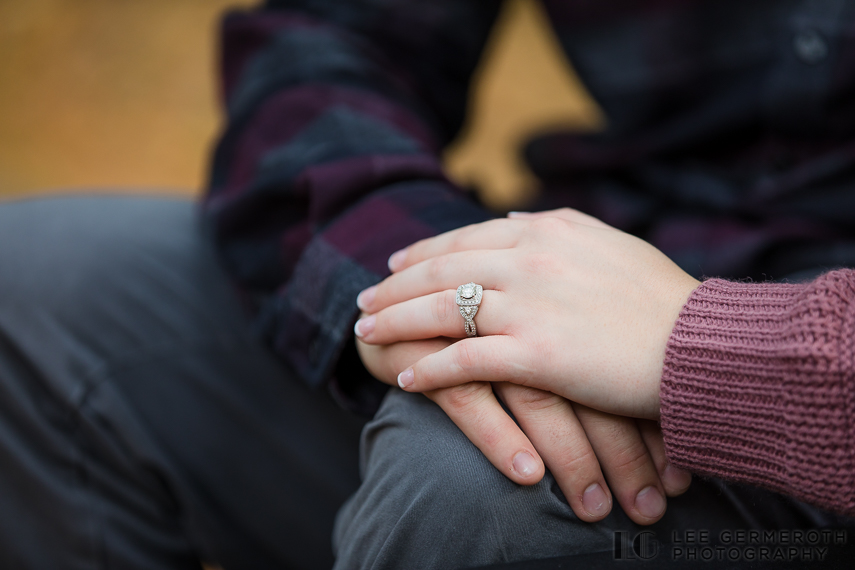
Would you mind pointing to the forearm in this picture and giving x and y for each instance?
(331, 159)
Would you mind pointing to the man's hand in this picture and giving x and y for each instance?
(583, 448)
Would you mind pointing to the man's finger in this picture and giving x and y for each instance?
(551, 426)
(626, 463)
(385, 362)
(473, 407)
(675, 480)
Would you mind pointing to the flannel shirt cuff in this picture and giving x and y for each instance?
(311, 321)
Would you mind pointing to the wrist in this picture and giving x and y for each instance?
(683, 289)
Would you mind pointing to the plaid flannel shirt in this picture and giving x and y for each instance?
(730, 145)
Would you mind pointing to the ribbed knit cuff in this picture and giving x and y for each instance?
(758, 387)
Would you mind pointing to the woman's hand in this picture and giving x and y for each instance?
(570, 306)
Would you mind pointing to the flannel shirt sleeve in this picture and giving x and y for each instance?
(330, 162)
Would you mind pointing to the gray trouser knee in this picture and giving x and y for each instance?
(430, 499)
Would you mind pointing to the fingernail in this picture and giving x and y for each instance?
(596, 501)
(364, 299)
(396, 260)
(518, 214)
(677, 478)
(364, 326)
(650, 502)
(524, 464)
(406, 378)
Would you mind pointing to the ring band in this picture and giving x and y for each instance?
(468, 300)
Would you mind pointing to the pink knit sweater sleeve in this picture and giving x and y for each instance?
(759, 387)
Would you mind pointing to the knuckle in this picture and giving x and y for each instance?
(629, 460)
(460, 239)
(578, 461)
(386, 325)
(496, 224)
(415, 252)
(533, 399)
(465, 356)
(493, 436)
(384, 292)
(443, 307)
(465, 396)
(617, 442)
(571, 216)
(549, 225)
(436, 268)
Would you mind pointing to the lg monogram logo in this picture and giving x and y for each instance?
(642, 546)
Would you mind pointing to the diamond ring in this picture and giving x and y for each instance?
(468, 300)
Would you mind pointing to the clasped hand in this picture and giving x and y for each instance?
(572, 329)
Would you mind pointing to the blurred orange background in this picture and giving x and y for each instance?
(122, 96)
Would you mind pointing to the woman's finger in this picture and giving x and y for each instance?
(551, 426)
(485, 267)
(496, 358)
(473, 407)
(384, 362)
(492, 234)
(676, 481)
(429, 316)
(626, 463)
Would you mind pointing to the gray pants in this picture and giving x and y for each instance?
(142, 426)
(429, 499)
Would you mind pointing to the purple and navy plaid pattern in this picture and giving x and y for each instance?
(730, 144)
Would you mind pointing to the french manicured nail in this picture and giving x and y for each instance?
(396, 260)
(677, 478)
(524, 464)
(406, 378)
(364, 299)
(650, 502)
(595, 501)
(364, 327)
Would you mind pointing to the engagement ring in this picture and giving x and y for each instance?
(468, 300)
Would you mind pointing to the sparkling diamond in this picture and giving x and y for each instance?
(468, 291)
